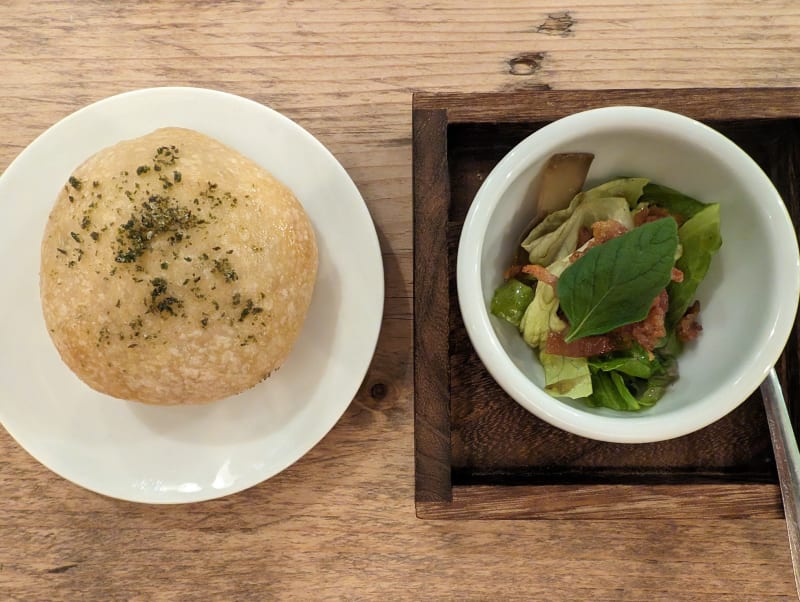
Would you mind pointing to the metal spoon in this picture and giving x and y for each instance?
(787, 459)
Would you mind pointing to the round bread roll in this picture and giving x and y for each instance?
(175, 270)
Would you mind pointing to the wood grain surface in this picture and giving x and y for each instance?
(340, 523)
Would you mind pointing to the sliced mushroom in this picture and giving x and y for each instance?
(562, 177)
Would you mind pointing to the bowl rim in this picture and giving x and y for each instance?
(648, 428)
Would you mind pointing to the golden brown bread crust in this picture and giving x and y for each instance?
(175, 270)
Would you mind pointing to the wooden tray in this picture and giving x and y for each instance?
(478, 454)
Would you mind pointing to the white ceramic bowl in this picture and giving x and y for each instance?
(749, 297)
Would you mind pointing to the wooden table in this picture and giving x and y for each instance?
(340, 523)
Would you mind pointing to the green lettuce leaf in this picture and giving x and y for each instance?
(673, 201)
(566, 376)
(631, 189)
(557, 234)
(547, 248)
(552, 221)
(535, 322)
(700, 239)
(510, 300)
(541, 317)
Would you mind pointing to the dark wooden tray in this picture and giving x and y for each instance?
(478, 454)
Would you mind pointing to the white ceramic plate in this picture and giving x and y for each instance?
(185, 454)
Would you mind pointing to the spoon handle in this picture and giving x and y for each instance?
(787, 459)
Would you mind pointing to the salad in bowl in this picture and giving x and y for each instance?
(604, 287)
(628, 274)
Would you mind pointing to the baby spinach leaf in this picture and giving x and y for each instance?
(624, 393)
(606, 393)
(632, 362)
(651, 390)
(615, 283)
(618, 390)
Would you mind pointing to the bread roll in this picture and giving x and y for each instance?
(174, 270)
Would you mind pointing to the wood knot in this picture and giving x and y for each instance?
(526, 64)
(378, 391)
(557, 24)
